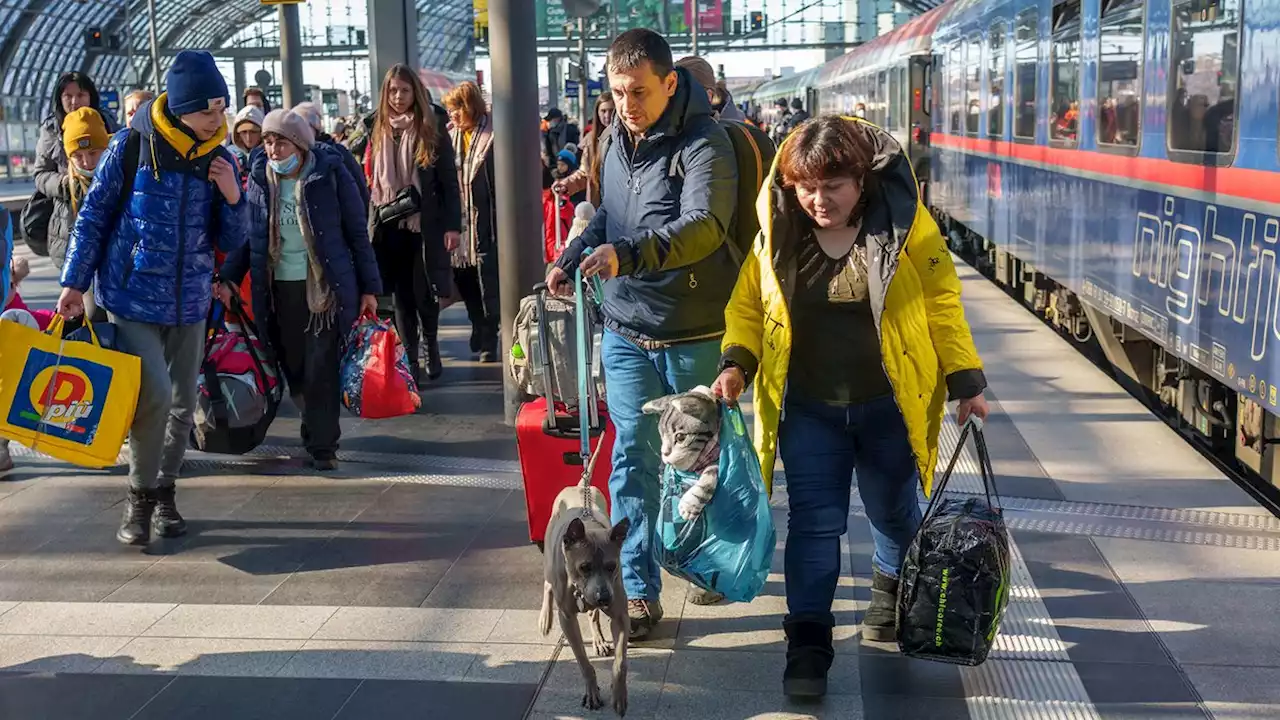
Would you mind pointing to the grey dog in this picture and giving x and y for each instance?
(583, 575)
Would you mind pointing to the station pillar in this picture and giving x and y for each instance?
(517, 163)
(291, 56)
(393, 38)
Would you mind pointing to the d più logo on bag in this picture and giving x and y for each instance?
(63, 397)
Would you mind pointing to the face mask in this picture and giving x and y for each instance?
(285, 167)
(87, 174)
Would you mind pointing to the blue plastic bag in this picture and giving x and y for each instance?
(729, 546)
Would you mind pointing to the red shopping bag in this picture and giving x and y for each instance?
(376, 382)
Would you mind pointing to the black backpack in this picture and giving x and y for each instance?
(754, 153)
(38, 211)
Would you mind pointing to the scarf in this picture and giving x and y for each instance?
(77, 187)
(471, 162)
(395, 167)
(320, 298)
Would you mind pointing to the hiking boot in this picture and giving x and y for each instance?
(702, 596)
(879, 622)
(809, 656)
(6, 460)
(644, 615)
(434, 366)
(135, 526)
(165, 520)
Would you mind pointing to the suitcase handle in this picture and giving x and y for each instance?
(588, 401)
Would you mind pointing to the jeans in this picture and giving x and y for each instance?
(171, 358)
(821, 445)
(635, 376)
(310, 361)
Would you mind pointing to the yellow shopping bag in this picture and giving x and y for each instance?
(71, 400)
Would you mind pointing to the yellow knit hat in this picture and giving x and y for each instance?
(83, 129)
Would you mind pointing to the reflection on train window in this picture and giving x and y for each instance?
(1205, 60)
(1120, 73)
(1064, 74)
(995, 80)
(1026, 49)
(955, 87)
(973, 86)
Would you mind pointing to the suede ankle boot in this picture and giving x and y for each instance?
(809, 657)
(880, 621)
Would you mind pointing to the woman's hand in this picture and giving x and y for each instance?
(730, 384)
(452, 240)
(226, 290)
(368, 305)
(976, 406)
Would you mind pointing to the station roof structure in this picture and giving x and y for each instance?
(42, 39)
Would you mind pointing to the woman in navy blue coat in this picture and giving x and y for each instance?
(313, 269)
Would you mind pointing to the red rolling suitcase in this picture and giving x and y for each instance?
(549, 435)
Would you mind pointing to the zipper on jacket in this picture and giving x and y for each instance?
(182, 244)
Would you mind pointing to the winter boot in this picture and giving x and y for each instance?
(489, 343)
(434, 366)
(809, 656)
(879, 622)
(135, 527)
(165, 520)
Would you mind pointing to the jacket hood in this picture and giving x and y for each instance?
(248, 114)
(684, 108)
(151, 120)
(777, 207)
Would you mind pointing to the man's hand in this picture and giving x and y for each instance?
(225, 290)
(558, 283)
(560, 187)
(368, 305)
(730, 384)
(976, 406)
(223, 174)
(71, 304)
(452, 240)
(603, 261)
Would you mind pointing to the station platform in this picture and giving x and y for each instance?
(1144, 584)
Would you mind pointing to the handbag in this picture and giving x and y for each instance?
(406, 202)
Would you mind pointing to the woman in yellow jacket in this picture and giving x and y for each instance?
(847, 316)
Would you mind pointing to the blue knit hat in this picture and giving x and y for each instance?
(193, 82)
(569, 158)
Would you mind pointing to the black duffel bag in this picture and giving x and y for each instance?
(35, 223)
(954, 582)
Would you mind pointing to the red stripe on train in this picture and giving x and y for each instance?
(1236, 182)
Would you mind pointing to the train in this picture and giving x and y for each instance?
(1113, 165)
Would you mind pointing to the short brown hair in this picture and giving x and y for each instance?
(826, 147)
(467, 98)
(637, 46)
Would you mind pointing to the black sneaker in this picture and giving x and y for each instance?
(880, 621)
(644, 615)
(166, 521)
(325, 463)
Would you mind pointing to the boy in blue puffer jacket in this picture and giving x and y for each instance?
(152, 254)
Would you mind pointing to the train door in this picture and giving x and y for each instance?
(922, 76)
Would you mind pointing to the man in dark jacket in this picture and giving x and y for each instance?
(669, 191)
(152, 254)
(560, 134)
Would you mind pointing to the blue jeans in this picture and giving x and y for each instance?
(634, 376)
(821, 445)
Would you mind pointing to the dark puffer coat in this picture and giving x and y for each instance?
(336, 214)
(153, 251)
(666, 206)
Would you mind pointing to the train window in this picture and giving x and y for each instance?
(995, 79)
(973, 85)
(1064, 74)
(1120, 73)
(1205, 60)
(955, 87)
(882, 94)
(1026, 49)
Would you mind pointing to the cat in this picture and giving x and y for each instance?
(689, 425)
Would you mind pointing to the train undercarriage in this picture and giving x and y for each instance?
(1230, 429)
